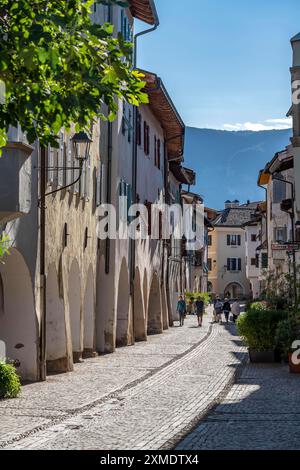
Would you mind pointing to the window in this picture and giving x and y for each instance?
(234, 264)
(158, 154)
(253, 238)
(155, 151)
(279, 190)
(233, 240)
(264, 260)
(209, 240)
(280, 234)
(253, 261)
(209, 264)
(146, 138)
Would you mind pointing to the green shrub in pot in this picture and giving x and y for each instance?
(10, 385)
(258, 328)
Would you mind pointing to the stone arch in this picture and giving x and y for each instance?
(18, 320)
(75, 313)
(56, 334)
(122, 327)
(138, 310)
(89, 316)
(155, 323)
(235, 289)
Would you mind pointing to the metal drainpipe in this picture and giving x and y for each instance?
(109, 172)
(134, 160)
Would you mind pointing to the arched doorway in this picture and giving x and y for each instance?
(138, 310)
(155, 323)
(75, 311)
(234, 290)
(18, 321)
(56, 336)
(89, 316)
(122, 334)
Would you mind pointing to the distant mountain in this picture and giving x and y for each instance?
(227, 163)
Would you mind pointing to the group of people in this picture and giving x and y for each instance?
(198, 308)
(226, 308)
(194, 307)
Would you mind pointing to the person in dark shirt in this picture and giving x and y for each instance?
(199, 304)
(226, 309)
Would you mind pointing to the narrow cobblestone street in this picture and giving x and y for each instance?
(153, 395)
(142, 397)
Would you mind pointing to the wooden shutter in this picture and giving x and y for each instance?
(239, 264)
(228, 240)
(239, 240)
(228, 264)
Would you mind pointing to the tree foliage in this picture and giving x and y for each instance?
(59, 68)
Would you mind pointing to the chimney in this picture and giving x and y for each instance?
(235, 204)
(228, 204)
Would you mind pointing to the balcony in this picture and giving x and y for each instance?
(15, 177)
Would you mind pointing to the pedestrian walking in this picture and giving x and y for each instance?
(226, 309)
(191, 307)
(199, 304)
(236, 310)
(218, 309)
(181, 310)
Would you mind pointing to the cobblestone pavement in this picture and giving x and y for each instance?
(143, 397)
(260, 412)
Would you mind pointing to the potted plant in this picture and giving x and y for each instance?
(288, 331)
(258, 328)
(10, 385)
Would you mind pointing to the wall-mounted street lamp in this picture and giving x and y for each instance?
(81, 144)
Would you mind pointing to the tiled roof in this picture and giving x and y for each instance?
(235, 217)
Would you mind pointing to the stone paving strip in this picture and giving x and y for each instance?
(163, 396)
(260, 412)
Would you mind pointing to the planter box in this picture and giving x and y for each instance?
(261, 357)
(294, 368)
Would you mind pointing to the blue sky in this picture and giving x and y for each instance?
(225, 62)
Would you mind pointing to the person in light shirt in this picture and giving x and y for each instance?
(235, 310)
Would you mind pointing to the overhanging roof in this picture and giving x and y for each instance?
(165, 112)
(144, 10)
(183, 175)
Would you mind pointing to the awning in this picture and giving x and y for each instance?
(144, 10)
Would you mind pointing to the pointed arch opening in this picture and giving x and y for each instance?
(18, 321)
(155, 322)
(56, 335)
(74, 294)
(89, 320)
(139, 310)
(122, 327)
